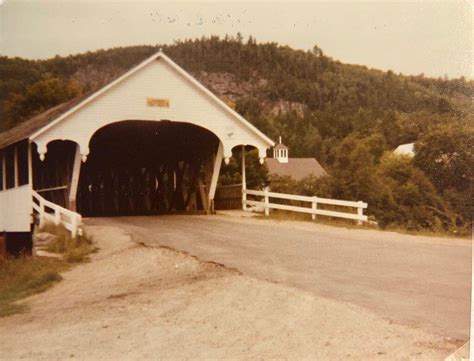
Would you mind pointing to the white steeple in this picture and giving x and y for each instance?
(280, 152)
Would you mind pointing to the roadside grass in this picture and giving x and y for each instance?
(73, 250)
(281, 215)
(26, 275)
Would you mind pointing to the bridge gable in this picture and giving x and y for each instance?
(156, 90)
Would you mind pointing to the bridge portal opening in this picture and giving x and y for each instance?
(144, 167)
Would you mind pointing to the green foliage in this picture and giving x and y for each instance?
(284, 184)
(230, 173)
(39, 97)
(416, 204)
(354, 171)
(354, 177)
(256, 174)
(446, 155)
(398, 193)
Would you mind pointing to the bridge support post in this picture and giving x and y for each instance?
(76, 171)
(244, 181)
(215, 175)
(30, 165)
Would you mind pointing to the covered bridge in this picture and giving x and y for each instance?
(152, 141)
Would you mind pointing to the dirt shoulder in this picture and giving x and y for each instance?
(138, 302)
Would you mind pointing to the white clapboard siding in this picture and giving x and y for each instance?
(15, 209)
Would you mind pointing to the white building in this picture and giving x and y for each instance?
(407, 149)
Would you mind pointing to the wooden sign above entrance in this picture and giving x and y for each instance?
(154, 102)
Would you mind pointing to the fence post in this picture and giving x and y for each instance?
(314, 206)
(360, 212)
(79, 224)
(244, 181)
(267, 201)
(73, 226)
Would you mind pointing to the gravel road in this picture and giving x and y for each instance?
(416, 281)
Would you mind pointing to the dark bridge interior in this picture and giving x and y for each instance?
(136, 168)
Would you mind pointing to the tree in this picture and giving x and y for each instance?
(256, 173)
(317, 51)
(39, 97)
(376, 144)
(354, 177)
(446, 155)
(416, 203)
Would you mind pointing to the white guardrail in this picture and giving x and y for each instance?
(313, 209)
(47, 211)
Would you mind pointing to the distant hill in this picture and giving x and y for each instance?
(264, 81)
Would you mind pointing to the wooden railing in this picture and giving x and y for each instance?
(47, 211)
(313, 209)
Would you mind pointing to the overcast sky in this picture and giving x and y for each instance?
(411, 37)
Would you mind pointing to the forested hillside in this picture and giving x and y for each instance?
(347, 116)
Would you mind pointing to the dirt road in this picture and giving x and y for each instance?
(417, 281)
(134, 302)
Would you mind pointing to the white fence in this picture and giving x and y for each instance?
(48, 211)
(313, 202)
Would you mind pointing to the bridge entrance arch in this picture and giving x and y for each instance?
(142, 167)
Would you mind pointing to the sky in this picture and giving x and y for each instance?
(410, 37)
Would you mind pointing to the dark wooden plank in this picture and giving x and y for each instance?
(3, 247)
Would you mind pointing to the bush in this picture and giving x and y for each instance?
(446, 155)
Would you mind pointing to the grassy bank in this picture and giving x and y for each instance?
(26, 275)
(280, 215)
(73, 250)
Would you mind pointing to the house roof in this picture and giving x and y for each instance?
(405, 149)
(42, 122)
(280, 146)
(297, 168)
